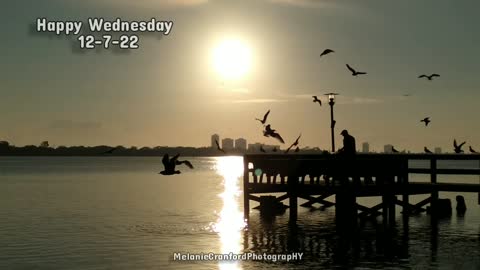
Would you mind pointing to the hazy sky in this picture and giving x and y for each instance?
(167, 92)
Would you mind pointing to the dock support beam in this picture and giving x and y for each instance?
(293, 200)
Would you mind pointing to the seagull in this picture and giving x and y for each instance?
(426, 150)
(315, 99)
(471, 150)
(218, 147)
(428, 77)
(326, 51)
(269, 132)
(426, 120)
(261, 149)
(170, 163)
(264, 120)
(407, 95)
(354, 72)
(293, 144)
(297, 149)
(457, 147)
(394, 150)
(110, 151)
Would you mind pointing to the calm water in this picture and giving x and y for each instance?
(119, 213)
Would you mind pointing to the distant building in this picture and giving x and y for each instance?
(387, 148)
(241, 144)
(215, 137)
(438, 150)
(365, 147)
(227, 144)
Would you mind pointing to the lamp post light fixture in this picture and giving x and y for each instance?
(331, 102)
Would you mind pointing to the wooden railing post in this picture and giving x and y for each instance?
(246, 193)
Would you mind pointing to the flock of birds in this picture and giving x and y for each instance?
(268, 131)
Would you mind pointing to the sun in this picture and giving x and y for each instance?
(232, 59)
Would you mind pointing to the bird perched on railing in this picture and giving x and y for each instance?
(170, 163)
(471, 150)
(457, 147)
(427, 150)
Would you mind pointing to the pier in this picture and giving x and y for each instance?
(315, 178)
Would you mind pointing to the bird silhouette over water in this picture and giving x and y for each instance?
(457, 147)
(218, 147)
(426, 120)
(354, 72)
(293, 144)
(471, 150)
(326, 51)
(315, 99)
(269, 132)
(170, 163)
(261, 149)
(394, 150)
(427, 151)
(430, 77)
(264, 120)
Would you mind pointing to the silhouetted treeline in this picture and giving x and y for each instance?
(104, 150)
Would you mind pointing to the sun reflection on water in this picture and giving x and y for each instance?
(231, 222)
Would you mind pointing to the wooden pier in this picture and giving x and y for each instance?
(315, 178)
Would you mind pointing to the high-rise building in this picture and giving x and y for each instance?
(365, 147)
(387, 148)
(241, 144)
(215, 137)
(438, 150)
(227, 144)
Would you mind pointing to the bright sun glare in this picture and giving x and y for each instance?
(232, 59)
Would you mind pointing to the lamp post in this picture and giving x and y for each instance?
(331, 102)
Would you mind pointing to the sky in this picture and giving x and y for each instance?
(168, 93)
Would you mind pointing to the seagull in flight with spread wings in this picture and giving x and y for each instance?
(170, 163)
(354, 72)
(430, 77)
(426, 120)
(293, 144)
(264, 120)
(315, 99)
(326, 51)
(218, 147)
(269, 132)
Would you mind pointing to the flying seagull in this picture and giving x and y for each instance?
(394, 150)
(426, 120)
(261, 149)
(218, 146)
(457, 147)
(406, 95)
(269, 132)
(326, 51)
(354, 72)
(315, 99)
(471, 150)
(293, 144)
(428, 77)
(170, 163)
(264, 120)
(426, 150)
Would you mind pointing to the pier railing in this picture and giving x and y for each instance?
(386, 175)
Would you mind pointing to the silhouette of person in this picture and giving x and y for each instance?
(349, 146)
